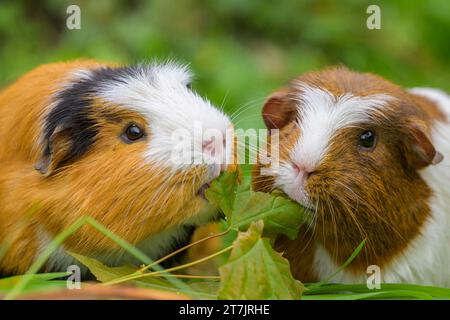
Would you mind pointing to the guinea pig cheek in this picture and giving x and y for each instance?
(300, 195)
(191, 185)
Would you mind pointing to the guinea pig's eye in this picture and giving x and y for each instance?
(368, 139)
(133, 132)
(189, 86)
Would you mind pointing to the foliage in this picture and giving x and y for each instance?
(37, 283)
(253, 270)
(261, 272)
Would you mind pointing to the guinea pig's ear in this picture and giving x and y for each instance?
(56, 151)
(279, 109)
(423, 150)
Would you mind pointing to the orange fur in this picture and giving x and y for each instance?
(110, 182)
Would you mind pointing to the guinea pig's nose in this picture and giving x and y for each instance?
(211, 148)
(208, 146)
(215, 152)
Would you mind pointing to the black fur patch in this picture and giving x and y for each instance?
(72, 113)
(73, 110)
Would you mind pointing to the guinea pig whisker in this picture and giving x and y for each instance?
(160, 190)
(332, 214)
(246, 117)
(261, 179)
(389, 225)
(371, 211)
(350, 209)
(314, 219)
(168, 195)
(221, 107)
(310, 231)
(142, 194)
(254, 149)
(375, 212)
(242, 108)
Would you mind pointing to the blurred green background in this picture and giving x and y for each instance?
(240, 50)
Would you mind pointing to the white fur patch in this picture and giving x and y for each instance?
(159, 93)
(321, 115)
(438, 96)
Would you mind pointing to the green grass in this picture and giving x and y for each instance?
(22, 283)
(33, 282)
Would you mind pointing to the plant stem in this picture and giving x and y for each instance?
(138, 275)
(186, 276)
(183, 249)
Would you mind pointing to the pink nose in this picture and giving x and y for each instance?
(211, 149)
(208, 146)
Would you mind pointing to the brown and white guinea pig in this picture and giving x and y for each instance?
(87, 138)
(371, 160)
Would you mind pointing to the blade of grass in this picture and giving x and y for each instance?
(343, 266)
(60, 238)
(138, 275)
(187, 276)
(137, 253)
(40, 276)
(38, 282)
(395, 294)
(436, 292)
(183, 249)
(40, 261)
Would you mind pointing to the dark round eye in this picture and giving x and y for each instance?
(367, 139)
(133, 132)
(189, 86)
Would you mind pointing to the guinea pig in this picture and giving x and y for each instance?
(370, 160)
(86, 138)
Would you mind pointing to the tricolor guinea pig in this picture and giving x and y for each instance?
(371, 160)
(87, 138)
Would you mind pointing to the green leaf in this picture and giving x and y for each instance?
(105, 274)
(255, 271)
(244, 206)
(222, 192)
(100, 271)
(38, 282)
(280, 214)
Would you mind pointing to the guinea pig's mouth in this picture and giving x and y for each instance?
(202, 190)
